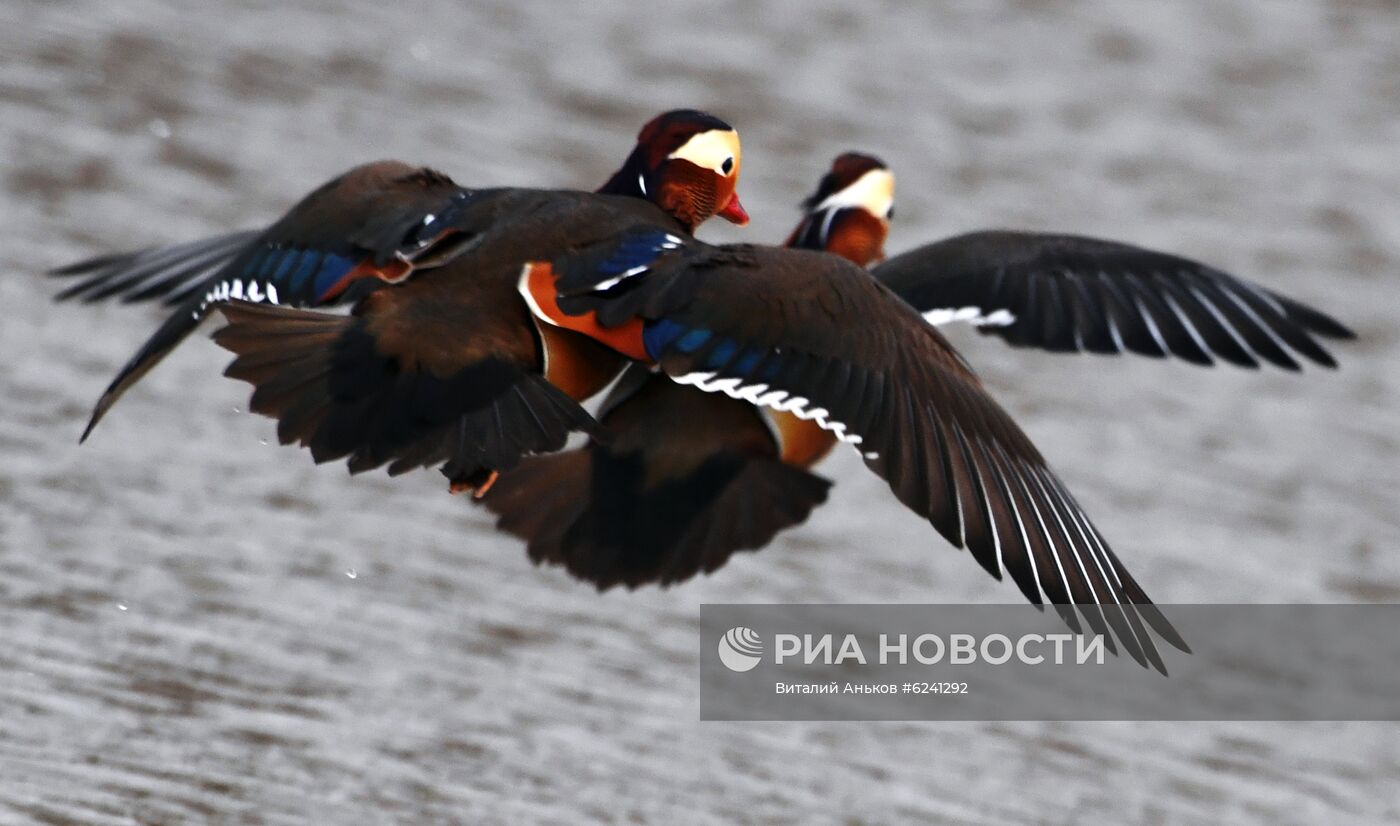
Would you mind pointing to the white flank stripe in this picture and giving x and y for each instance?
(523, 287)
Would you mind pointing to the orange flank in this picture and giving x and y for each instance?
(804, 442)
(575, 363)
(537, 288)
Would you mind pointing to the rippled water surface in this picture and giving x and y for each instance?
(199, 627)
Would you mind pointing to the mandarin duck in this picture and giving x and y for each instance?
(439, 360)
(686, 478)
(814, 335)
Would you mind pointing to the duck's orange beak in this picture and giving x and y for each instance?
(733, 211)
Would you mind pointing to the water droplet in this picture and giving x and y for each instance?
(159, 128)
(237, 409)
(420, 51)
(352, 573)
(264, 441)
(121, 606)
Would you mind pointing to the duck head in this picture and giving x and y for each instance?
(850, 212)
(687, 163)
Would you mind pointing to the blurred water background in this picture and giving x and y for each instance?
(199, 626)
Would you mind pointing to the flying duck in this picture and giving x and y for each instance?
(685, 478)
(439, 360)
(812, 334)
(684, 482)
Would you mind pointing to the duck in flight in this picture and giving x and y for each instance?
(837, 354)
(439, 361)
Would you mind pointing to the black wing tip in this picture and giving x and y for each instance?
(82, 267)
(92, 422)
(1325, 360)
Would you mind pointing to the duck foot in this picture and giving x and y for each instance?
(477, 484)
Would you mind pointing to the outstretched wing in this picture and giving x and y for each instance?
(814, 335)
(375, 224)
(388, 386)
(1068, 293)
(172, 273)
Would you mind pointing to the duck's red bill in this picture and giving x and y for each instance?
(733, 211)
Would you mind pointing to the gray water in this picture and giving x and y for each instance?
(196, 626)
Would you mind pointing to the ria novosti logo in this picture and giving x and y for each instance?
(740, 649)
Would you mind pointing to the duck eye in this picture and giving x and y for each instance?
(728, 165)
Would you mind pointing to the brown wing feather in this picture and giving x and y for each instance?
(358, 388)
(687, 479)
(375, 223)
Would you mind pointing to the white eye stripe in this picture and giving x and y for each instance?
(710, 149)
(872, 192)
